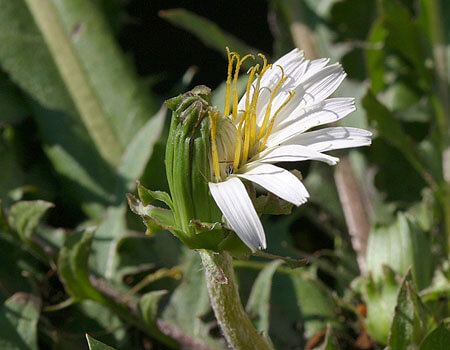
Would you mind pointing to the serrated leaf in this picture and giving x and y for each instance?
(18, 322)
(97, 345)
(207, 31)
(258, 304)
(439, 339)
(403, 322)
(25, 216)
(73, 266)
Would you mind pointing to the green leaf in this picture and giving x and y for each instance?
(138, 152)
(391, 130)
(110, 231)
(258, 304)
(190, 301)
(403, 322)
(113, 105)
(380, 297)
(96, 345)
(155, 219)
(73, 267)
(147, 196)
(403, 35)
(400, 246)
(316, 304)
(25, 216)
(12, 102)
(376, 55)
(18, 322)
(207, 31)
(437, 339)
(148, 309)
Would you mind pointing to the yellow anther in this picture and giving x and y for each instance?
(236, 75)
(215, 154)
(269, 129)
(228, 84)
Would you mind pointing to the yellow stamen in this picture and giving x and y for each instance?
(215, 154)
(237, 150)
(269, 129)
(228, 85)
(252, 71)
(236, 75)
(247, 137)
(262, 130)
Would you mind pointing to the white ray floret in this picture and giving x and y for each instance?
(271, 122)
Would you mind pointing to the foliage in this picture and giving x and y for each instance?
(81, 122)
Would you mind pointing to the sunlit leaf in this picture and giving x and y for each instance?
(24, 217)
(18, 322)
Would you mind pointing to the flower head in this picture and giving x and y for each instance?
(270, 124)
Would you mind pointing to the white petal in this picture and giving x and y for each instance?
(290, 63)
(233, 200)
(300, 120)
(278, 181)
(320, 85)
(293, 153)
(333, 138)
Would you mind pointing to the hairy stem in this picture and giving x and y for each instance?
(226, 303)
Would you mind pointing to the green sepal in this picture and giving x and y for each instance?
(148, 196)
(155, 219)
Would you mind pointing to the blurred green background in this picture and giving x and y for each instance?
(82, 83)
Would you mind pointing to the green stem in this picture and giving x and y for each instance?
(441, 104)
(226, 303)
(75, 78)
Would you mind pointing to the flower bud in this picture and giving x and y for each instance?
(188, 167)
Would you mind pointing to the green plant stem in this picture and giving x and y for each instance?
(442, 104)
(75, 79)
(226, 303)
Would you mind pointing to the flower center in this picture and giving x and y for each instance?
(250, 138)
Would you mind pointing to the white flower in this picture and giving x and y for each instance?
(269, 125)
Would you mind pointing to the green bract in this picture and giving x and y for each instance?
(192, 215)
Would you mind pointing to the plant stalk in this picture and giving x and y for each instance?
(226, 303)
(442, 104)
